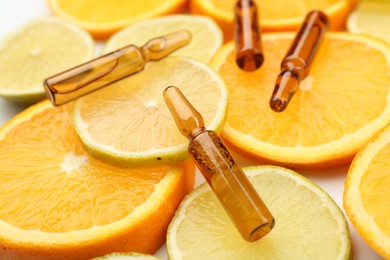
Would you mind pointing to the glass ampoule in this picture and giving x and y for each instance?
(249, 52)
(297, 63)
(90, 76)
(229, 183)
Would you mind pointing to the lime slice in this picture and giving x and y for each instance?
(372, 18)
(309, 224)
(133, 124)
(38, 49)
(206, 35)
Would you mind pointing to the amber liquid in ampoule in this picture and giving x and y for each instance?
(297, 63)
(97, 73)
(229, 183)
(249, 53)
(231, 186)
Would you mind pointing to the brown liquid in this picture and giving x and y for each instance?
(229, 183)
(93, 75)
(298, 60)
(249, 53)
(90, 76)
(231, 186)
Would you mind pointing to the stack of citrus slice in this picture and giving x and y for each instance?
(279, 15)
(341, 104)
(59, 201)
(108, 16)
(38, 49)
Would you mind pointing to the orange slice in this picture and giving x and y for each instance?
(367, 193)
(59, 201)
(276, 15)
(341, 104)
(105, 17)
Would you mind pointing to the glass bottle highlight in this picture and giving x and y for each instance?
(297, 63)
(249, 52)
(90, 76)
(229, 183)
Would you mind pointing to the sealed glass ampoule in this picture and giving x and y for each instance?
(296, 64)
(229, 183)
(90, 76)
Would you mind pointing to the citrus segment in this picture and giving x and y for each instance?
(372, 18)
(279, 15)
(308, 223)
(338, 107)
(108, 16)
(367, 193)
(145, 131)
(38, 49)
(206, 35)
(58, 200)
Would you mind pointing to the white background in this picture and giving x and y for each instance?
(16, 12)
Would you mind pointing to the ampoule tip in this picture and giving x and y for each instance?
(186, 117)
(287, 84)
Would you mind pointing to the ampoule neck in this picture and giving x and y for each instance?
(195, 132)
(160, 47)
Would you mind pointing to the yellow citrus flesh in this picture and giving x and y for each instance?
(58, 200)
(206, 38)
(108, 16)
(39, 49)
(279, 15)
(367, 193)
(308, 223)
(372, 18)
(145, 131)
(338, 107)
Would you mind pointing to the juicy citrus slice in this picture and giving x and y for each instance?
(308, 223)
(134, 126)
(108, 16)
(341, 104)
(278, 15)
(206, 35)
(367, 193)
(38, 49)
(59, 201)
(126, 256)
(372, 18)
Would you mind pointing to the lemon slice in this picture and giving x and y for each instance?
(371, 17)
(206, 35)
(308, 223)
(38, 49)
(129, 123)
